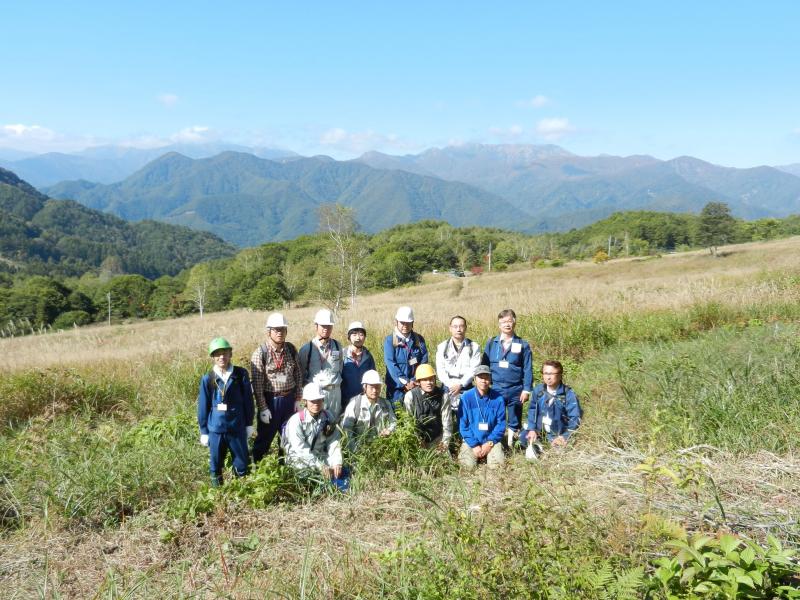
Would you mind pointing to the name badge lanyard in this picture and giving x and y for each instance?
(275, 357)
(480, 412)
(222, 389)
(324, 352)
(502, 351)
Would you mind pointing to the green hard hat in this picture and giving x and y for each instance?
(219, 343)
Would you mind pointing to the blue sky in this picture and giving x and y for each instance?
(716, 80)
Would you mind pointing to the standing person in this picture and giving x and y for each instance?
(482, 423)
(456, 360)
(311, 439)
(511, 362)
(368, 415)
(357, 361)
(429, 405)
(555, 411)
(321, 361)
(277, 383)
(225, 411)
(403, 351)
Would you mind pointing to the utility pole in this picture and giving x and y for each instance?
(609, 246)
(490, 257)
(108, 297)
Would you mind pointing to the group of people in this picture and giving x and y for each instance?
(325, 394)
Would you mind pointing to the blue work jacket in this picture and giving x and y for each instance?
(396, 356)
(236, 395)
(518, 376)
(476, 409)
(564, 411)
(352, 374)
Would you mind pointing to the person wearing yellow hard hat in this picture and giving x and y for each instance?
(225, 411)
(430, 407)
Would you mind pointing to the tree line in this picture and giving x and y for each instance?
(334, 265)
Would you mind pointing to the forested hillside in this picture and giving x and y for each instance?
(332, 266)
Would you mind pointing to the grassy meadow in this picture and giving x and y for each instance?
(683, 481)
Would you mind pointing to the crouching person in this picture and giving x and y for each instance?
(225, 411)
(368, 415)
(482, 423)
(554, 412)
(312, 441)
(430, 407)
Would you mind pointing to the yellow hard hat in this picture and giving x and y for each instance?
(424, 371)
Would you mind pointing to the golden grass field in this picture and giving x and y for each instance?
(673, 281)
(339, 536)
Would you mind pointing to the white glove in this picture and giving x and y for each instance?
(204, 439)
(250, 431)
(265, 416)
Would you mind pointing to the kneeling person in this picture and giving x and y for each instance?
(555, 411)
(311, 440)
(368, 414)
(482, 422)
(430, 407)
(225, 411)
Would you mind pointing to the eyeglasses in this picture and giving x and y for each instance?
(551, 372)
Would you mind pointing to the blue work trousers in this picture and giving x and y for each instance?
(513, 406)
(282, 408)
(218, 445)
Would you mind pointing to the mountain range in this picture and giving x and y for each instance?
(108, 164)
(39, 235)
(248, 200)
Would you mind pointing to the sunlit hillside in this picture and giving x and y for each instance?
(687, 369)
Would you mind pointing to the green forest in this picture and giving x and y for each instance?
(328, 267)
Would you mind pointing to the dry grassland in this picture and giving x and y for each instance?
(670, 282)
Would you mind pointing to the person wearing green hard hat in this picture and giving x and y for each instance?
(225, 411)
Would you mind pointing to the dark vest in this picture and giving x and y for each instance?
(427, 411)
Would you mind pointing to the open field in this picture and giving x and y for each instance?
(688, 367)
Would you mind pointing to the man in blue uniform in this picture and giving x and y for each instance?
(555, 411)
(481, 422)
(511, 363)
(403, 351)
(225, 411)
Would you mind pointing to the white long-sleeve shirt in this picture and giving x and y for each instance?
(306, 444)
(457, 366)
(361, 418)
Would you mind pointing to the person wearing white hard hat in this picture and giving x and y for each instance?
(322, 360)
(368, 414)
(277, 383)
(311, 439)
(357, 361)
(403, 351)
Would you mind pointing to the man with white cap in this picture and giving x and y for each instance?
(403, 351)
(311, 439)
(357, 361)
(277, 383)
(321, 361)
(456, 360)
(368, 414)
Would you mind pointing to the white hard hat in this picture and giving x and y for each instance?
(312, 391)
(404, 314)
(276, 320)
(356, 325)
(371, 377)
(323, 317)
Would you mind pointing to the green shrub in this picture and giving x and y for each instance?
(69, 319)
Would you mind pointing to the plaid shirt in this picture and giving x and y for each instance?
(264, 373)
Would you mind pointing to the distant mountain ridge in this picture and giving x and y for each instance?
(45, 236)
(109, 164)
(247, 200)
(549, 180)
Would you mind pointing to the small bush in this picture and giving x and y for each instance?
(69, 319)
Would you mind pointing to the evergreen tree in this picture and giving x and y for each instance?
(716, 226)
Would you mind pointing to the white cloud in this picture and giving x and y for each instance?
(196, 134)
(554, 128)
(358, 142)
(36, 138)
(168, 100)
(537, 101)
